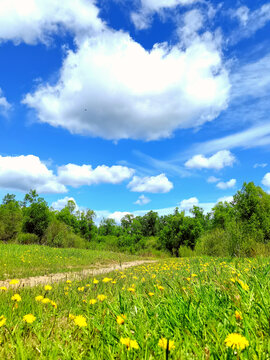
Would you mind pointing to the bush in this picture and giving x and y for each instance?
(60, 235)
(26, 238)
(213, 243)
(185, 251)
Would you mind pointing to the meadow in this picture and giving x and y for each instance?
(33, 260)
(186, 308)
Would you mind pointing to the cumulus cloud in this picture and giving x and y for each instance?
(23, 173)
(4, 104)
(150, 184)
(78, 175)
(61, 203)
(217, 161)
(226, 185)
(225, 199)
(118, 215)
(266, 179)
(212, 179)
(33, 21)
(111, 87)
(188, 204)
(142, 200)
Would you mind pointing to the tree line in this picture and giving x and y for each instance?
(237, 228)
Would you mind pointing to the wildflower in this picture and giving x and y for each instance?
(29, 318)
(14, 282)
(2, 320)
(87, 285)
(243, 285)
(236, 341)
(105, 280)
(54, 304)
(92, 301)
(71, 316)
(95, 281)
(68, 281)
(39, 298)
(238, 315)
(188, 279)
(3, 288)
(80, 321)
(47, 287)
(45, 301)
(123, 276)
(113, 282)
(160, 287)
(131, 289)
(151, 293)
(81, 289)
(16, 297)
(130, 344)
(101, 297)
(121, 319)
(165, 343)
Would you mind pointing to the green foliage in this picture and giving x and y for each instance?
(10, 218)
(26, 239)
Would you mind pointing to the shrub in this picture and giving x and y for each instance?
(185, 251)
(26, 238)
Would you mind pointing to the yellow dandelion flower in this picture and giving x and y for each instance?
(131, 289)
(66, 293)
(46, 301)
(80, 321)
(95, 281)
(194, 275)
(101, 297)
(16, 297)
(47, 287)
(68, 281)
(113, 282)
(14, 282)
(165, 343)
(39, 298)
(54, 304)
(3, 320)
(243, 285)
(3, 288)
(105, 280)
(87, 285)
(71, 316)
(121, 319)
(160, 287)
(92, 301)
(188, 279)
(81, 289)
(236, 341)
(29, 318)
(151, 293)
(123, 276)
(130, 344)
(238, 315)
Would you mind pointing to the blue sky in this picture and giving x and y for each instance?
(132, 105)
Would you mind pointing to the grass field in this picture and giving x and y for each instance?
(196, 304)
(32, 260)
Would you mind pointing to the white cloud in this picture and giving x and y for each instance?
(226, 185)
(217, 161)
(192, 22)
(266, 179)
(212, 179)
(250, 21)
(78, 175)
(111, 87)
(188, 204)
(142, 17)
(61, 203)
(225, 199)
(33, 21)
(142, 200)
(23, 173)
(118, 215)
(4, 104)
(151, 184)
(257, 165)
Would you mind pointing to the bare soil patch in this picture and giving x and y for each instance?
(76, 275)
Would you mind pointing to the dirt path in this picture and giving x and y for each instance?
(77, 275)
